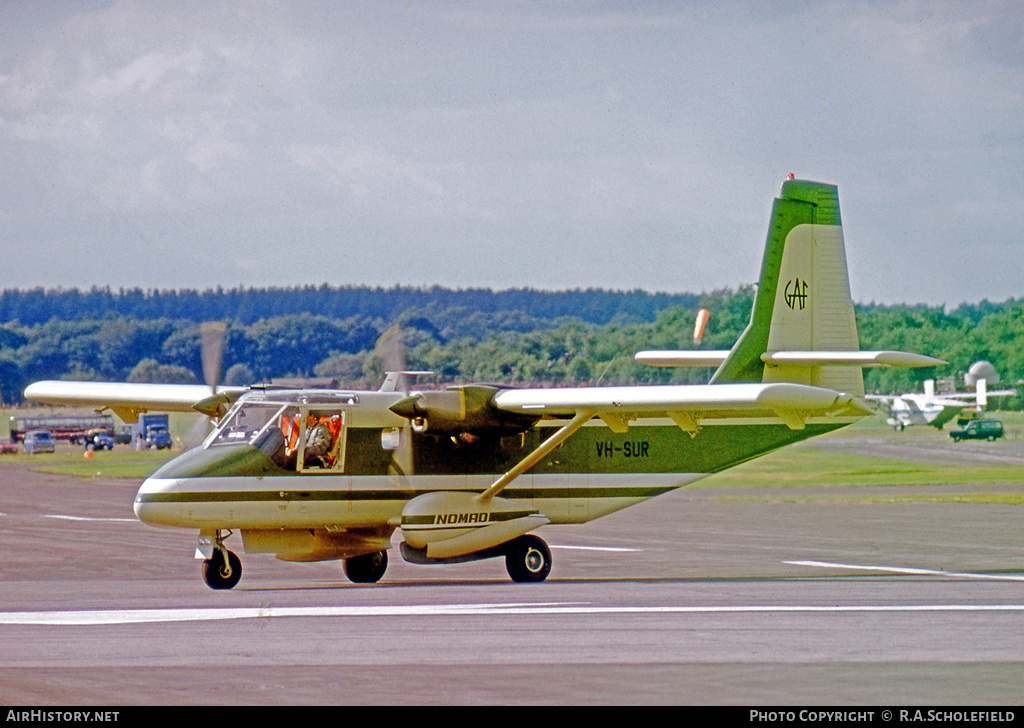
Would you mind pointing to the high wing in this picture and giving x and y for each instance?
(684, 358)
(981, 395)
(929, 408)
(129, 399)
(686, 405)
(618, 405)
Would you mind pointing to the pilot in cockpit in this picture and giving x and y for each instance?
(319, 440)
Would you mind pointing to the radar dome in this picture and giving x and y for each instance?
(981, 370)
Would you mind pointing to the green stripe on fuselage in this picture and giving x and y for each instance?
(389, 494)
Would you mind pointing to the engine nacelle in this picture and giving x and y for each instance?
(467, 408)
(450, 524)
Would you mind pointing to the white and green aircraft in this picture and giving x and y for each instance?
(936, 409)
(469, 472)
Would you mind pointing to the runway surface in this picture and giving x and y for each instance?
(691, 598)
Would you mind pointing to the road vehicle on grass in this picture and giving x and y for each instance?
(97, 440)
(39, 441)
(979, 430)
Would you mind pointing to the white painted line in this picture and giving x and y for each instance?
(143, 616)
(906, 570)
(140, 616)
(84, 518)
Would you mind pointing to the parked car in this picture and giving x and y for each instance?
(979, 430)
(39, 441)
(158, 438)
(98, 440)
(8, 448)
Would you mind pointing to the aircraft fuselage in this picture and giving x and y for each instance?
(235, 480)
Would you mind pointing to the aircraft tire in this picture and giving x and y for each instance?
(528, 559)
(368, 568)
(220, 575)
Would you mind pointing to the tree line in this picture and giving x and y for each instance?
(575, 338)
(248, 305)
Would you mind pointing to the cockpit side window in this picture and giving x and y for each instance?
(304, 437)
(311, 438)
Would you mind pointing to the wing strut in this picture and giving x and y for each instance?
(563, 433)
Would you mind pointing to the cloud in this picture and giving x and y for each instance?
(555, 145)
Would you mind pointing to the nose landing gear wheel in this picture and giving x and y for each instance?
(528, 559)
(219, 573)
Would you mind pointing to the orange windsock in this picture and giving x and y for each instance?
(702, 321)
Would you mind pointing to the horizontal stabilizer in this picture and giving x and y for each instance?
(805, 358)
(681, 358)
(851, 358)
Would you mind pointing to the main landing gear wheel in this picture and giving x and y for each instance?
(528, 559)
(368, 568)
(219, 573)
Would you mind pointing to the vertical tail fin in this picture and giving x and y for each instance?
(803, 301)
(802, 328)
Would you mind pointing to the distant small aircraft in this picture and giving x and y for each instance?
(929, 408)
(469, 472)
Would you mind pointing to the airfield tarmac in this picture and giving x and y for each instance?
(695, 597)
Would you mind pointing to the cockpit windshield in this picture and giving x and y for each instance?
(244, 423)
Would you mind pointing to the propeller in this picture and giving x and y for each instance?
(212, 340)
(212, 337)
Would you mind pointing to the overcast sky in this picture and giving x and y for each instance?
(507, 144)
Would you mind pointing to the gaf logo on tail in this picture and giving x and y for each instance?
(796, 294)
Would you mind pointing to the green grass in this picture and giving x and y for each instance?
(805, 467)
(1009, 499)
(121, 462)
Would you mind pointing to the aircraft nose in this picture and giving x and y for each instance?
(156, 504)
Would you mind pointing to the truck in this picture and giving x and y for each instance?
(70, 427)
(152, 430)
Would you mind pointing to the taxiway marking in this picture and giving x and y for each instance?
(905, 570)
(85, 518)
(142, 616)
